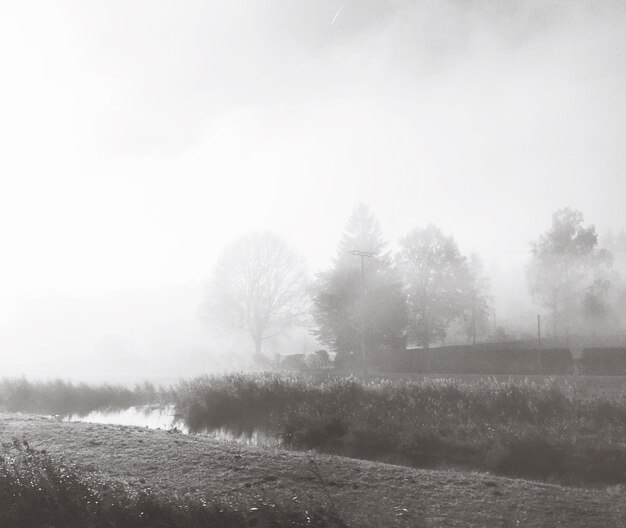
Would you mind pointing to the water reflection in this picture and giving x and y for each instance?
(163, 417)
(257, 438)
(151, 416)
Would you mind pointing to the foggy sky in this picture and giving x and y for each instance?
(138, 138)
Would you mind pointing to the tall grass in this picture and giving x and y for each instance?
(38, 491)
(523, 429)
(66, 398)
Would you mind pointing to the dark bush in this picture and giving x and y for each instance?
(485, 360)
(556, 361)
(603, 361)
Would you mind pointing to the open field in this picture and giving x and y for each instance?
(365, 493)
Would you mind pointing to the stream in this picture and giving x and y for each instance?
(163, 417)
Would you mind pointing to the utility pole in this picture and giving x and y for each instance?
(363, 255)
(539, 339)
(474, 317)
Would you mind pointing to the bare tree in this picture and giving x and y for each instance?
(258, 286)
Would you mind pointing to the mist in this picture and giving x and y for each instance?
(139, 139)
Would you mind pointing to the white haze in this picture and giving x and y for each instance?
(137, 138)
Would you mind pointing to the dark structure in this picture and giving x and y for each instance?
(486, 360)
(603, 361)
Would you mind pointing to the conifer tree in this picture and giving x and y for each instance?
(344, 306)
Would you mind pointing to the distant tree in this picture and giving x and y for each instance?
(475, 318)
(258, 286)
(615, 243)
(595, 304)
(362, 233)
(437, 281)
(337, 296)
(568, 273)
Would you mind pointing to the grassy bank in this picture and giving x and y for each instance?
(520, 430)
(549, 431)
(38, 490)
(64, 398)
(364, 493)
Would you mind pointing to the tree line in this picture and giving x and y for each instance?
(372, 301)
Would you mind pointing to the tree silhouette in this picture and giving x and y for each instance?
(437, 283)
(568, 272)
(259, 286)
(338, 296)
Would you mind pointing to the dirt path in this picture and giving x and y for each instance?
(365, 493)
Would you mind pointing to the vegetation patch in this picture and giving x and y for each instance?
(364, 493)
(36, 490)
(65, 398)
(521, 430)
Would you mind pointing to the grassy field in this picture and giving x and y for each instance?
(364, 493)
(40, 490)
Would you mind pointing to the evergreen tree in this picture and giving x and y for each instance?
(349, 300)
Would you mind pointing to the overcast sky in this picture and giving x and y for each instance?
(138, 137)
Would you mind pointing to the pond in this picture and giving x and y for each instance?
(163, 417)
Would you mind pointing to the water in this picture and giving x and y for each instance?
(163, 417)
(151, 416)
